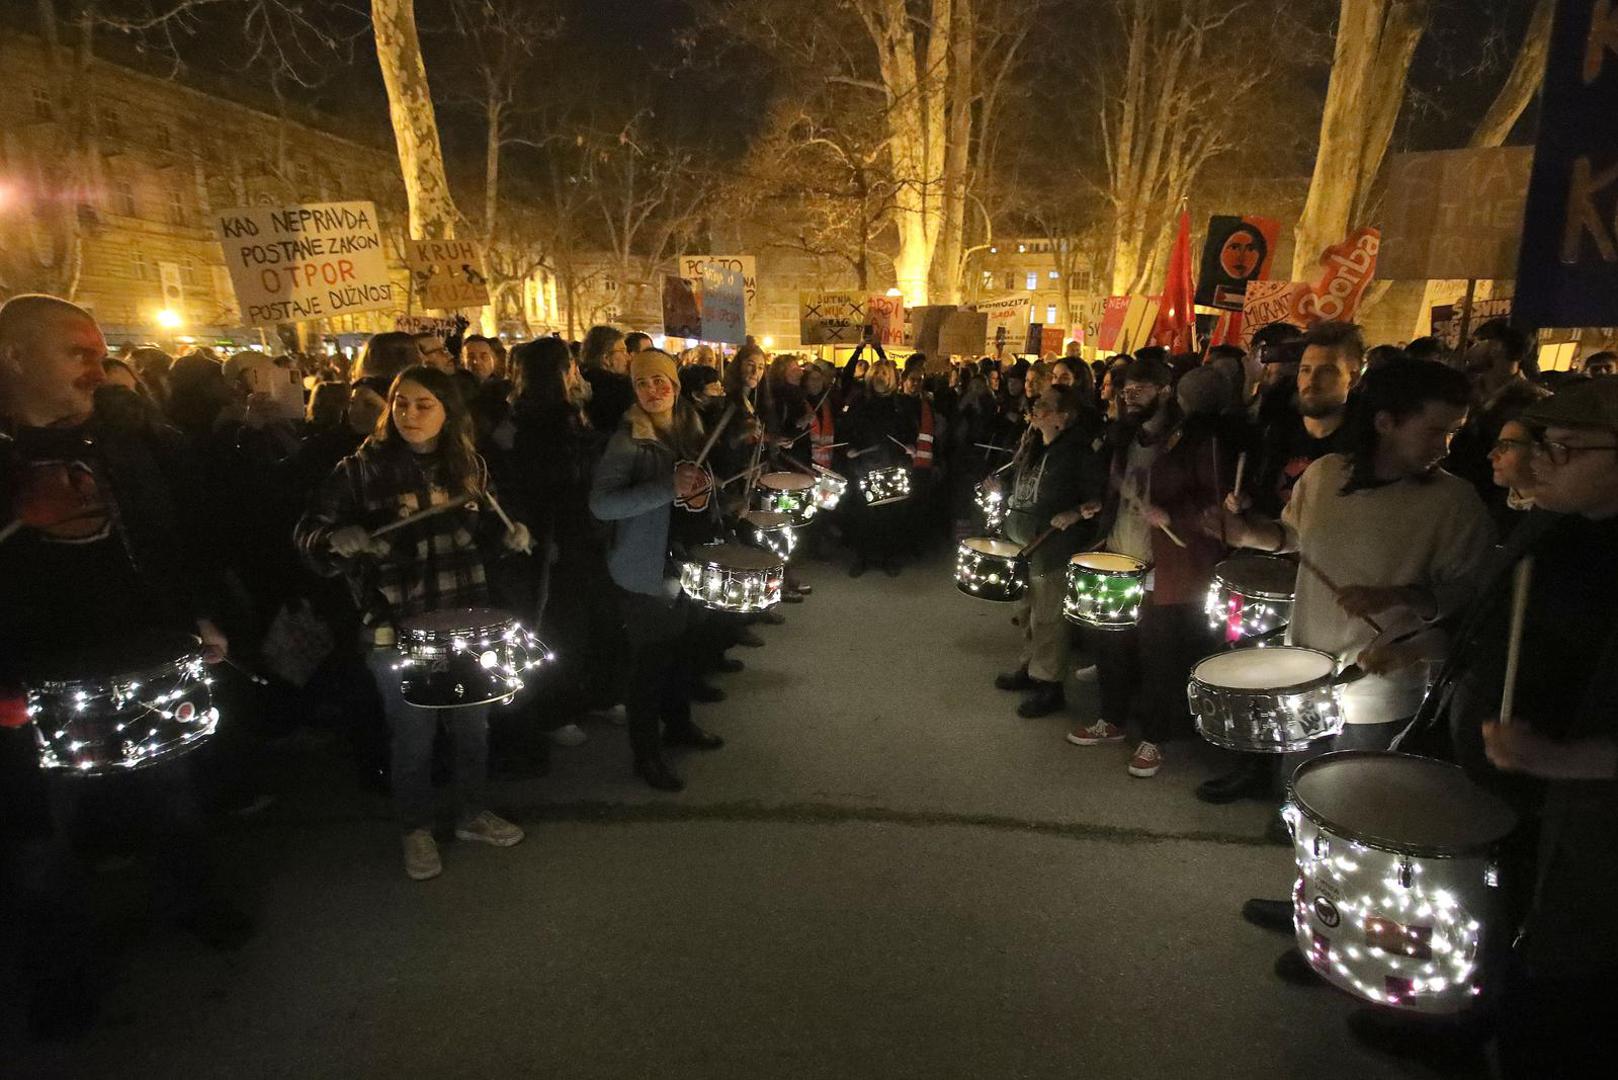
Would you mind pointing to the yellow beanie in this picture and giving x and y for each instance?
(654, 362)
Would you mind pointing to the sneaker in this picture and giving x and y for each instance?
(1269, 914)
(805, 589)
(489, 828)
(1087, 673)
(1145, 761)
(421, 855)
(569, 735)
(1094, 734)
(1253, 778)
(791, 596)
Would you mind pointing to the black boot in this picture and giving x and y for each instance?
(1047, 698)
(706, 694)
(691, 736)
(1014, 680)
(1269, 914)
(657, 774)
(1252, 779)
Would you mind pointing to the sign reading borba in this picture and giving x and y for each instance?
(446, 274)
(291, 263)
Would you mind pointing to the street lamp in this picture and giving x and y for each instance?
(895, 292)
(169, 319)
(768, 342)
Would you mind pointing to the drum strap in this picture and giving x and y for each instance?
(822, 433)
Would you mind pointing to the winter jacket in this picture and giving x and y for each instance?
(1062, 476)
(633, 488)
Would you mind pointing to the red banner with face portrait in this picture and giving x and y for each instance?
(1237, 250)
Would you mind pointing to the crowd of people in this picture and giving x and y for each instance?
(295, 515)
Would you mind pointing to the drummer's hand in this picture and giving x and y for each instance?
(689, 480)
(214, 646)
(351, 540)
(518, 538)
(1067, 519)
(1238, 503)
(1155, 516)
(1363, 600)
(1377, 659)
(1090, 509)
(1517, 747)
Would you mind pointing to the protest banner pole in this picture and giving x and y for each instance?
(1466, 314)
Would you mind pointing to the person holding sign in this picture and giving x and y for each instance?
(421, 456)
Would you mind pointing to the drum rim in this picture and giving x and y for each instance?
(805, 483)
(788, 521)
(1251, 748)
(1140, 567)
(1290, 688)
(695, 557)
(1262, 594)
(144, 674)
(1384, 844)
(1013, 557)
(465, 630)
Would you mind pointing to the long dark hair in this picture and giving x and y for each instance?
(539, 376)
(1401, 390)
(455, 442)
(735, 389)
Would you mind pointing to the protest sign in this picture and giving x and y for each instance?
(446, 274)
(1269, 302)
(1006, 321)
(1052, 340)
(724, 305)
(313, 261)
(831, 318)
(1446, 318)
(1139, 319)
(443, 326)
(963, 333)
(682, 317)
(690, 266)
(1238, 250)
(887, 315)
(926, 324)
(1567, 271)
(1454, 213)
(1348, 268)
(1113, 310)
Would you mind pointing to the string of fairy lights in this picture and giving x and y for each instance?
(94, 726)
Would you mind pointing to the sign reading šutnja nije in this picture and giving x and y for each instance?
(313, 261)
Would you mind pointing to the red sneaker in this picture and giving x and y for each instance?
(1146, 760)
(1092, 734)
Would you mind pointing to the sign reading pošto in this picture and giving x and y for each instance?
(313, 261)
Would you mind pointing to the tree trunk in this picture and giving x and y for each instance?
(491, 207)
(947, 265)
(1375, 40)
(415, 125)
(1521, 84)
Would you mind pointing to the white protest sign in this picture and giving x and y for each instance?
(887, 318)
(446, 274)
(1008, 321)
(690, 266)
(724, 305)
(831, 318)
(313, 261)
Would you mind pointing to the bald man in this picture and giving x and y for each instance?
(101, 577)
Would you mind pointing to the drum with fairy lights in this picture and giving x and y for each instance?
(465, 656)
(137, 708)
(991, 501)
(789, 493)
(991, 569)
(732, 577)
(1251, 595)
(1104, 590)
(1398, 898)
(1271, 699)
(879, 487)
(829, 488)
(774, 532)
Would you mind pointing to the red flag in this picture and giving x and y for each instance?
(1176, 321)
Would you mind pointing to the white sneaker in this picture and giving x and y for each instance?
(569, 735)
(489, 828)
(1146, 760)
(1087, 673)
(421, 855)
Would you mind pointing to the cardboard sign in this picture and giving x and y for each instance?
(926, 325)
(724, 305)
(962, 333)
(311, 261)
(682, 316)
(1007, 321)
(887, 315)
(1567, 271)
(1113, 310)
(1051, 340)
(690, 266)
(1446, 318)
(1139, 320)
(1238, 250)
(446, 274)
(831, 318)
(1269, 302)
(1454, 213)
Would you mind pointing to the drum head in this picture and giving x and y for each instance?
(1107, 561)
(1400, 803)
(988, 545)
(767, 519)
(454, 620)
(1276, 667)
(735, 557)
(1268, 576)
(786, 481)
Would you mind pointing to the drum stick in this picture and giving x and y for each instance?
(252, 676)
(511, 526)
(991, 446)
(1310, 566)
(745, 472)
(421, 515)
(1241, 467)
(713, 436)
(1036, 541)
(901, 446)
(10, 530)
(1522, 581)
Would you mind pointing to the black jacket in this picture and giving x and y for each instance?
(1066, 474)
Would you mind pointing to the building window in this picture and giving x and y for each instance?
(139, 266)
(188, 272)
(1054, 275)
(177, 214)
(42, 103)
(1033, 280)
(988, 279)
(1011, 279)
(1050, 314)
(123, 198)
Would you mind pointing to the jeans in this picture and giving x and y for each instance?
(1047, 635)
(413, 730)
(658, 690)
(1142, 671)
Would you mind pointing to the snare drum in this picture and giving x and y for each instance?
(465, 656)
(1271, 700)
(882, 486)
(789, 493)
(146, 712)
(1251, 595)
(991, 569)
(1104, 590)
(732, 577)
(992, 502)
(771, 531)
(1398, 897)
(829, 488)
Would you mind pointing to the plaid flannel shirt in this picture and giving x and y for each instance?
(435, 564)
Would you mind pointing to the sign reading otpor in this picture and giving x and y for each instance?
(290, 263)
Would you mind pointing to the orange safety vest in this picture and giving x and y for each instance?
(822, 433)
(924, 438)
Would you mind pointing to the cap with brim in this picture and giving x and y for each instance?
(1587, 404)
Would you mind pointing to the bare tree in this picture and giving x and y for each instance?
(415, 123)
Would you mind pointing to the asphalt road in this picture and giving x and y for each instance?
(886, 873)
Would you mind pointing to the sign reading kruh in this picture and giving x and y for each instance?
(446, 274)
(313, 261)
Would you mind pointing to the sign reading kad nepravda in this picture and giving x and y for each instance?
(290, 263)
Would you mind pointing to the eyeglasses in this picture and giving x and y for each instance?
(1560, 452)
(1502, 445)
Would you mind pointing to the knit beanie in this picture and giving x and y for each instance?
(654, 362)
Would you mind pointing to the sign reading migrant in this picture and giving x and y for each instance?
(446, 274)
(1238, 250)
(314, 261)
